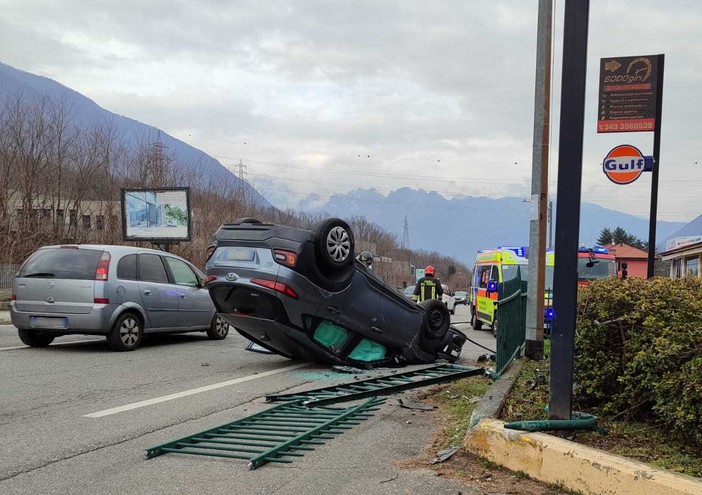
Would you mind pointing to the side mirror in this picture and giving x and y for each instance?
(491, 286)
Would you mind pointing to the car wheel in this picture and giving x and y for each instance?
(474, 321)
(218, 329)
(34, 338)
(334, 245)
(436, 319)
(126, 333)
(494, 327)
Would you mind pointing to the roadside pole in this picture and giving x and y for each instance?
(656, 167)
(534, 345)
(570, 166)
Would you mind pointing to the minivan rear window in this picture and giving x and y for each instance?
(59, 263)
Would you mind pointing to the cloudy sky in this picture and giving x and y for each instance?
(325, 96)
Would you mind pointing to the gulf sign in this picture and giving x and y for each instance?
(625, 163)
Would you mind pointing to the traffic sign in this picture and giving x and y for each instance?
(625, 163)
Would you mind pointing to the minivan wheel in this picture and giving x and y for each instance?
(126, 333)
(34, 338)
(218, 329)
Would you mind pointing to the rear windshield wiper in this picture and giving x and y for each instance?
(40, 274)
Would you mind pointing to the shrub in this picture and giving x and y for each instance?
(639, 351)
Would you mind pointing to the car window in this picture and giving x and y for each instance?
(62, 263)
(151, 269)
(126, 268)
(182, 274)
(484, 275)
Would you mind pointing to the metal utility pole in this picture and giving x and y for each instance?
(656, 169)
(570, 169)
(534, 345)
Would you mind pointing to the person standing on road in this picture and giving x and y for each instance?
(428, 287)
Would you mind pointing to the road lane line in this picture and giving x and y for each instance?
(198, 390)
(52, 345)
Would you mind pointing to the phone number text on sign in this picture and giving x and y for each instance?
(625, 125)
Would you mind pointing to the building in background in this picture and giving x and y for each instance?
(685, 255)
(635, 259)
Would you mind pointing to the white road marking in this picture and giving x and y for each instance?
(198, 390)
(52, 345)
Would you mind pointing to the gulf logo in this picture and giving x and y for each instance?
(625, 163)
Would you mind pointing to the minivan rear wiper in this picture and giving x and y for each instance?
(40, 274)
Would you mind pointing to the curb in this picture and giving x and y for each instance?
(551, 459)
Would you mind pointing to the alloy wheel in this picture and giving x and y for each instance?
(129, 332)
(338, 244)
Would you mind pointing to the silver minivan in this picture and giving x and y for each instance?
(121, 292)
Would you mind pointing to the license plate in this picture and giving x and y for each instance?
(48, 322)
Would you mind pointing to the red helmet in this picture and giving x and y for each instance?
(429, 270)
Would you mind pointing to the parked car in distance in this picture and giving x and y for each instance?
(461, 297)
(448, 299)
(303, 295)
(409, 292)
(121, 292)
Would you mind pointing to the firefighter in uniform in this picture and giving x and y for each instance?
(428, 287)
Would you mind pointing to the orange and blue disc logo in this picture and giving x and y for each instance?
(625, 163)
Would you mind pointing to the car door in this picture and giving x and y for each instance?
(158, 295)
(194, 303)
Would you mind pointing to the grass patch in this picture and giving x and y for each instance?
(646, 442)
(456, 402)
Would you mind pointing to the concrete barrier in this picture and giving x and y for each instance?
(554, 460)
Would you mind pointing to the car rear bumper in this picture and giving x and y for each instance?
(97, 322)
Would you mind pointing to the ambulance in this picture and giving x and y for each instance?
(491, 268)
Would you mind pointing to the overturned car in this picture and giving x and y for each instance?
(304, 295)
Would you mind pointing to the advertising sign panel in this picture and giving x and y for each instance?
(160, 215)
(628, 90)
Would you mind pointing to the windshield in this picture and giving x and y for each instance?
(600, 269)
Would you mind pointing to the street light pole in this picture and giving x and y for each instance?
(534, 345)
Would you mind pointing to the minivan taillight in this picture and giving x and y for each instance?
(210, 278)
(103, 266)
(13, 297)
(101, 300)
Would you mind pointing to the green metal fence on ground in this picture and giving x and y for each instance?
(511, 321)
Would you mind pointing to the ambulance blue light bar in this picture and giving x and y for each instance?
(520, 251)
(598, 250)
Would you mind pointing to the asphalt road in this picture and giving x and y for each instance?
(77, 418)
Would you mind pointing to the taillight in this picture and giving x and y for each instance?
(210, 252)
(210, 278)
(103, 266)
(13, 297)
(276, 286)
(288, 258)
(101, 300)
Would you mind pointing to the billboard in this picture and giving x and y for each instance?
(628, 94)
(160, 215)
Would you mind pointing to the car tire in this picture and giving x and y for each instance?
(474, 321)
(35, 338)
(437, 319)
(126, 333)
(218, 329)
(494, 327)
(334, 246)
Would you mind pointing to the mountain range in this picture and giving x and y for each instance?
(460, 226)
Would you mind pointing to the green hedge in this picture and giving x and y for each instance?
(639, 351)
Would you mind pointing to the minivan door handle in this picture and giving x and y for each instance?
(147, 292)
(182, 296)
